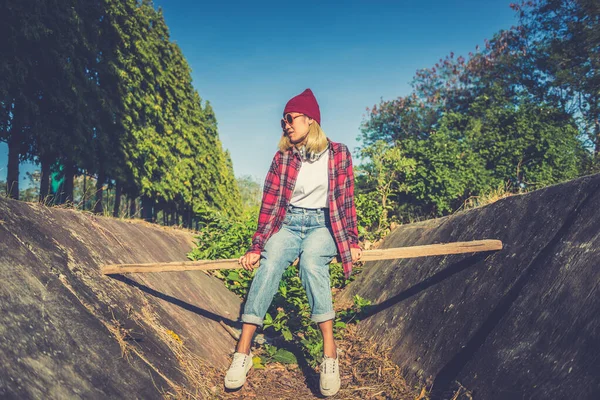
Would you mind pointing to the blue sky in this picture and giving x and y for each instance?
(249, 58)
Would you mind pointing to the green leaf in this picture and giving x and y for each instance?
(271, 350)
(233, 275)
(268, 319)
(340, 324)
(287, 335)
(285, 357)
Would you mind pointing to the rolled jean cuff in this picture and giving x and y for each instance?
(323, 317)
(252, 319)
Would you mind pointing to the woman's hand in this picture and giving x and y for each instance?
(356, 253)
(249, 260)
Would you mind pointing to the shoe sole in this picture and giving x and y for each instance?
(329, 392)
(237, 387)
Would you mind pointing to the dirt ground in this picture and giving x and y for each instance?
(366, 372)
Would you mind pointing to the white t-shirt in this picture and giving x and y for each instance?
(312, 184)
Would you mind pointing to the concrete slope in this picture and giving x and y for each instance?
(521, 323)
(69, 332)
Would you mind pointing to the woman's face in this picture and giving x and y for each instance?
(297, 130)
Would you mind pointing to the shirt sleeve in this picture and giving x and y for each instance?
(268, 207)
(350, 207)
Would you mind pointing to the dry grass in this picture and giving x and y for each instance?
(462, 393)
(366, 368)
(490, 197)
(120, 334)
(200, 375)
(371, 374)
(367, 372)
(157, 225)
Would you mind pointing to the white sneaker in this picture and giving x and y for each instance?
(236, 374)
(330, 376)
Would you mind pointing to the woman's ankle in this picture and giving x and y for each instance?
(245, 341)
(331, 353)
(242, 349)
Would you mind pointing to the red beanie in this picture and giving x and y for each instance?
(304, 103)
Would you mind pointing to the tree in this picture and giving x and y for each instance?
(563, 45)
(97, 88)
(525, 144)
(250, 191)
(530, 144)
(386, 171)
(512, 112)
(20, 25)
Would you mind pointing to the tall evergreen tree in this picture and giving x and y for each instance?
(99, 88)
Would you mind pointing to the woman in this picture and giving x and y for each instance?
(307, 211)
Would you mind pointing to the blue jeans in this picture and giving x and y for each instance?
(305, 233)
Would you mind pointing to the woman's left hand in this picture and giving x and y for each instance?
(356, 253)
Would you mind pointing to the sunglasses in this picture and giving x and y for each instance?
(289, 119)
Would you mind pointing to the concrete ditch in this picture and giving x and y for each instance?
(519, 323)
(69, 332)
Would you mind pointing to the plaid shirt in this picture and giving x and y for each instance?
(278, 189)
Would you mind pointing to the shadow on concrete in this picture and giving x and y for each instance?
(453, 269)
(173, 300)
(444, 380)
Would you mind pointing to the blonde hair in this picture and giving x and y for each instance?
(316, 141)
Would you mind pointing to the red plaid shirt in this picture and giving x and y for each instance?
(278, 189)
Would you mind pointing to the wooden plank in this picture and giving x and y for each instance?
(367, 255)
(432, 250)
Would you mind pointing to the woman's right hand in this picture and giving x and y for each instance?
(249, 260)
